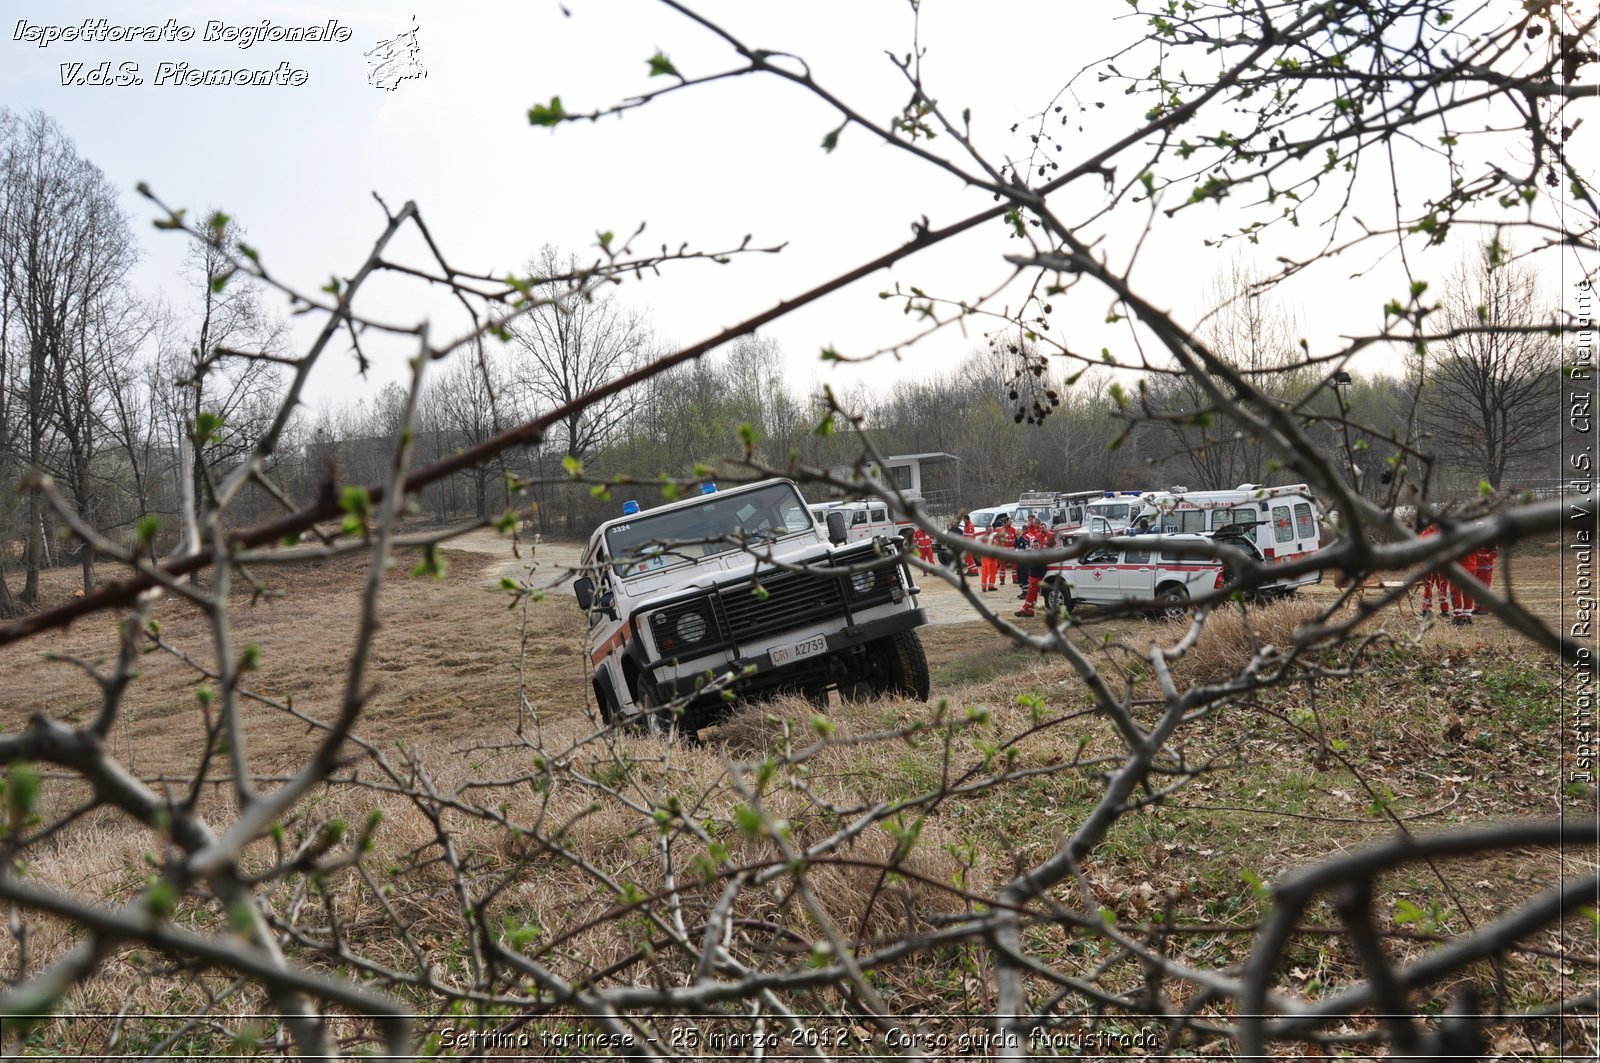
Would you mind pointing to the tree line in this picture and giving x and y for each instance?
(136, 406)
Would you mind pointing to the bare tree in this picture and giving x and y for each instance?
(89, 379)
(1490, 384)
(219, 387)
(568, 345)
(458, 411)
(1243, 327)
(65, 247)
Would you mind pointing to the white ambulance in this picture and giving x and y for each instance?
(1060, 511)
(1111, 512)
(1284, 520)
(862, 520)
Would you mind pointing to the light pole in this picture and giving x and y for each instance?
(1341, 390)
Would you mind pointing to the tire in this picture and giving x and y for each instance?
(896, 666)
(1057, 598)
(654, 720)
(607, 703)
(1173, 601)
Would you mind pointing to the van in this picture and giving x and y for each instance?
(1285, 521)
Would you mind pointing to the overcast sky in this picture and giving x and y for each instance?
(297, 164)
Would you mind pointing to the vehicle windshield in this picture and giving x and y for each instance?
(715, 525)
(1045, 514)
(1110, 510)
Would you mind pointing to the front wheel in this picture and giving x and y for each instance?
(895, 665)
(655, 719)
(607, 703)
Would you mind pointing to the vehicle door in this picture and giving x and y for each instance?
(1282, 532)
(1305, 528)
(858, 525)
(1136, 575)
(1097, 577)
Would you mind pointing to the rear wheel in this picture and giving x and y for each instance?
(1173, 601)
(1057, 599)
(895, 665)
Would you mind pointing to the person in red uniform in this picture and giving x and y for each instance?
(1003, 536)
(988, 567)
(1483, 562)
(1461, 603)
(924, 543)
(1033, 537)
(1434, 583)
(970, 530)
(1008, 540)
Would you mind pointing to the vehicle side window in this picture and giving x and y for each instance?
(880, 514)
(1136, 557)
(1282, 530)
(1181, 559)
(1102, 556)
(1221, 518)
(1304, 526)
(860, 517)
(1245, 513)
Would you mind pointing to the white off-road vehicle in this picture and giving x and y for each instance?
(742, 592)
(1157, 571)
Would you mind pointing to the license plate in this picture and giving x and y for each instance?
(785, 654)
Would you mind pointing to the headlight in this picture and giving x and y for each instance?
(681, 626)
(691, 627)
(863, 582)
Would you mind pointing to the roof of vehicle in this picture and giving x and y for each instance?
(1244, 492)
(1148, 541)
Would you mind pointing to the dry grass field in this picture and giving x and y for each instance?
(1436, 727)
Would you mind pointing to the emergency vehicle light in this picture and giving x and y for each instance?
(630, 507)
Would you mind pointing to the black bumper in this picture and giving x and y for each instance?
(758, 673)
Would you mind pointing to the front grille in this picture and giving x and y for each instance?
(789, 600)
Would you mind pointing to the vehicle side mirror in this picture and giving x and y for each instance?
(837, 532)
(583, 587)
